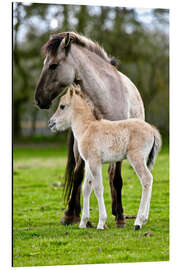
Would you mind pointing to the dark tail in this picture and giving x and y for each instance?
(69, 172)
(155, 148)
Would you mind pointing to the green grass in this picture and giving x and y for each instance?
(38, 237)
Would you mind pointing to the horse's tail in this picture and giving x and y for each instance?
(69, 172)
(155, 148)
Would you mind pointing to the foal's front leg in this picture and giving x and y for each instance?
(97, 183)
(87, 189)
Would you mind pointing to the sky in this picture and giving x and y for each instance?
(144, 15)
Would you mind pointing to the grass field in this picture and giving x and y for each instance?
(38, 237)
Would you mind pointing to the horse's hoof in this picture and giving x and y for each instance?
(69, 220)
(130, 216)
(89, 224)
(120, 223)
(137, 227)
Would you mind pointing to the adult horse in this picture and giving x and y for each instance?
(70, 57)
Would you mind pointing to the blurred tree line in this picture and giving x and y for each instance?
(143, 51)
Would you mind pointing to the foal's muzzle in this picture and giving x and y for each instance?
(51, 123)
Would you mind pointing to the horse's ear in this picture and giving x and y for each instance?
(51, 36)
(115, 62)
(66, 41)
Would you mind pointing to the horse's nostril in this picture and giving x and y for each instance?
(38, 103)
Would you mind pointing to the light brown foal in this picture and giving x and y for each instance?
(103, 141)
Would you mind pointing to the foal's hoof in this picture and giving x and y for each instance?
(102, 227)
(82, 226)
(121, 223)
(69, 220)
(137, 227)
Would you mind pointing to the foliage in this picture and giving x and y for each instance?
(38, 237)
(142, 50)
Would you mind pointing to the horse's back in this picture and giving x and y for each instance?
(136, 107)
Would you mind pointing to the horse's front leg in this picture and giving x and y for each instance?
(116, 183)
(72, 214)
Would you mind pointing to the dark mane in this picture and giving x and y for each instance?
(53, 43)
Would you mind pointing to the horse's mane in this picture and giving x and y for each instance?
(96, 112)
(53, 43)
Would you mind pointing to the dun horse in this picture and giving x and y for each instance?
(70, 57)
(103, 141)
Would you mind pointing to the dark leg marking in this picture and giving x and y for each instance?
(118, 183)
(111, 172)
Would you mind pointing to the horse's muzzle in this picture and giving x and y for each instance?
(43, 105)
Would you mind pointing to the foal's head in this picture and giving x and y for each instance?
(61, 120)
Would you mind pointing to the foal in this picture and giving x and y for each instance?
(103, 141)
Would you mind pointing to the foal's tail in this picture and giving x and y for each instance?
(155, 148)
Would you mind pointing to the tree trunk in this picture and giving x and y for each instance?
(16, 119)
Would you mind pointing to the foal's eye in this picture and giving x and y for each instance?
(53, 66)
(62, 107)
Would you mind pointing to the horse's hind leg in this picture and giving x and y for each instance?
(116, 184)
(146, 179)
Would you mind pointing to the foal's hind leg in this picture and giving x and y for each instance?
(116, 184)
(146, 179)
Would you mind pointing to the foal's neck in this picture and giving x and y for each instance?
(82, 116)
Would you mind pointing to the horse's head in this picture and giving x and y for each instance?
(58, 70)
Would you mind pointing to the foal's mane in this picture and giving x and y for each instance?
(53, 43)
(95, 111)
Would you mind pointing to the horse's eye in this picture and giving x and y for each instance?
(53, 66)
(62, 107)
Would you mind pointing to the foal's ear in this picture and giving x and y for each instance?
(71, 92)
(78, 90)
(78, 87)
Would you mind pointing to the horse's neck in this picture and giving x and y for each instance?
(82, 117)
(97, 78)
